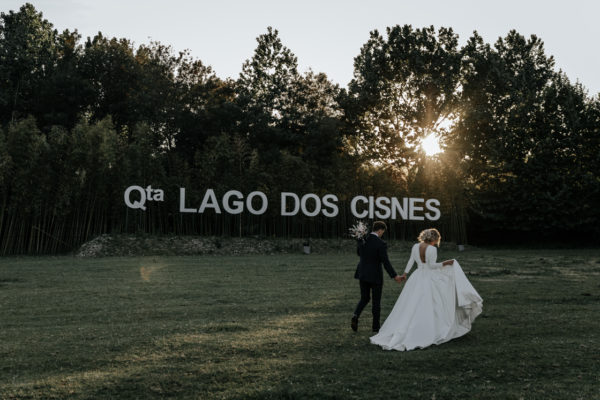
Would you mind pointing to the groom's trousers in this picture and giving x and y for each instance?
(366, 289)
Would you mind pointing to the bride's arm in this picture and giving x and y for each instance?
(431, 257)
(409, 264)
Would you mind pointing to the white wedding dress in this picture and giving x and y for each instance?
(437, 304)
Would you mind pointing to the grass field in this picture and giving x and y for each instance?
(277, 327)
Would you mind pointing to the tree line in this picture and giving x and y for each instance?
(81, 120)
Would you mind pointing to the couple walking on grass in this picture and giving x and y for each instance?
(437, 303)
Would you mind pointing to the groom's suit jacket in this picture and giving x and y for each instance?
(373, 254)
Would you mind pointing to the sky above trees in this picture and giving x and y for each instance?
(327, 35)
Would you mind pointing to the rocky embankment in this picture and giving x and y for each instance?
(146, 245)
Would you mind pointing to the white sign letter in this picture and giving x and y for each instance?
(353, 207)
(149, 193)
(239, 205)
(265, 203)
(182, 203)
(436, 212)
(414, 208)
(159, 195)
(135, 204)
(401, 209)
(383, 204)
(371, 207)
(295, 209)
(317, 209)
(334, 208)
(209, 196)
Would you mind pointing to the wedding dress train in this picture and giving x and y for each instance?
(437, 304)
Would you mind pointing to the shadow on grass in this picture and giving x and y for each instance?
(293, 341)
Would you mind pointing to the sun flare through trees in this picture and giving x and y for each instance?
(507, 144)
(431, 145)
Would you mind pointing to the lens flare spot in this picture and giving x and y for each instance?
(147, 272)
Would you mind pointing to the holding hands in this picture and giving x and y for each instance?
(402, 278)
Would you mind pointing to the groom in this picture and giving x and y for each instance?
(373, 253)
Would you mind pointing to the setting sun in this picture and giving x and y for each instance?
(431, 145)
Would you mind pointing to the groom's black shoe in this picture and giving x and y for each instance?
(376, 329)
(354, 323)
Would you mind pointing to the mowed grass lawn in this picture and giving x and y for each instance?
(277, 327)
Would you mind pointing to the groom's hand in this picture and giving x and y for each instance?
(399, 278)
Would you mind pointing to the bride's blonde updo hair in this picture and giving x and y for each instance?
(431, 235)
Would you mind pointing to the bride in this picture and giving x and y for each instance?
(437, 304)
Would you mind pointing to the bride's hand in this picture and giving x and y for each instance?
(448, 262)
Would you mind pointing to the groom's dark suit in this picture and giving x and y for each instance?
(373, 254)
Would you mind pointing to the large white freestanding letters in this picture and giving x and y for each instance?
(291, 204)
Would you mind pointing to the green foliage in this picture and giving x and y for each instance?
(25, 144)
(404, 88)
(28, 55)
(80, 122)
(524, 135)
(39, 72)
